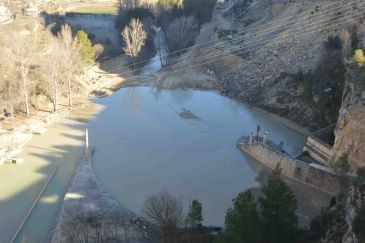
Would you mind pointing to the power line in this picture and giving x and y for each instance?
(262, 31)
(256, 48)
(256, 42)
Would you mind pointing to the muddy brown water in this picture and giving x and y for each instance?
(144, 145)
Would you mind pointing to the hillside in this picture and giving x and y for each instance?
(291, 58)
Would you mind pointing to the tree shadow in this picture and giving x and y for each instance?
(310, 201)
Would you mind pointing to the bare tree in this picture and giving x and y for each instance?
(22, 49)
(52, 69)
(134, 38)
(164, 210)
(71, 58)
(181, 32)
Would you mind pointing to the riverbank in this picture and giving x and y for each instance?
(97, 82)
(59, 147)
(87, 208)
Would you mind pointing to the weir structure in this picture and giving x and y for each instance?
(270, 154)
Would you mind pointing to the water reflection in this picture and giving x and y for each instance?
(137, 156)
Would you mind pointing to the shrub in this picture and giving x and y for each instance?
(359, 57)
(342, 165)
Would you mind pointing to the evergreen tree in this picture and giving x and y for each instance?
(195, 216)
(278, 205)
(86, 48)
(242, 221)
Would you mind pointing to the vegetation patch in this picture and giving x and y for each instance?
(96, 10)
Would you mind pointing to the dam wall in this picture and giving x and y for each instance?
(315, 175)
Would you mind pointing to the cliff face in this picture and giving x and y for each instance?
(350, 130)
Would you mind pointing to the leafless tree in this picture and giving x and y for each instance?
(99, 49)
(22, 47)
(166, 211)
(52, 70)
(134, 38)
(71, 57)
(181, 32)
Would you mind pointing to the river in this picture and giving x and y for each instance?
(182, 141)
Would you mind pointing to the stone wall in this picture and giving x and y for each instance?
(316, 176)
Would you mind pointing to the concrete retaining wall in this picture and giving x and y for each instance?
(315, 176)
(319, 150)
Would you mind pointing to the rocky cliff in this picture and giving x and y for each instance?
(350, 130)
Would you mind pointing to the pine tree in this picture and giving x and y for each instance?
(242, 221)
(278, 205)
(86, 48)
(195, 216)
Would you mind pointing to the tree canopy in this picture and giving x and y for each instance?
(242, 221)
(278, 205)
(195, 216)
(86, 48)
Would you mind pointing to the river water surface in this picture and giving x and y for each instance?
(182, 141)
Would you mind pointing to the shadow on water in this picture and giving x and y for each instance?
(310, 200)
(60, 147)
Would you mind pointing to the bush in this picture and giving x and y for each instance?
(359, 57)
(86, 48)
(342, 165)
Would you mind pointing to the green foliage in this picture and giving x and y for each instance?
(195, 216)
(201, 10)
(359, 221)
(138, 13)
(359, 57)
(342, 165)
(278, 206)
(278, 221)
(242, 221)
(86, 48)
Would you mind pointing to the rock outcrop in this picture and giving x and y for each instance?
(350, 130)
